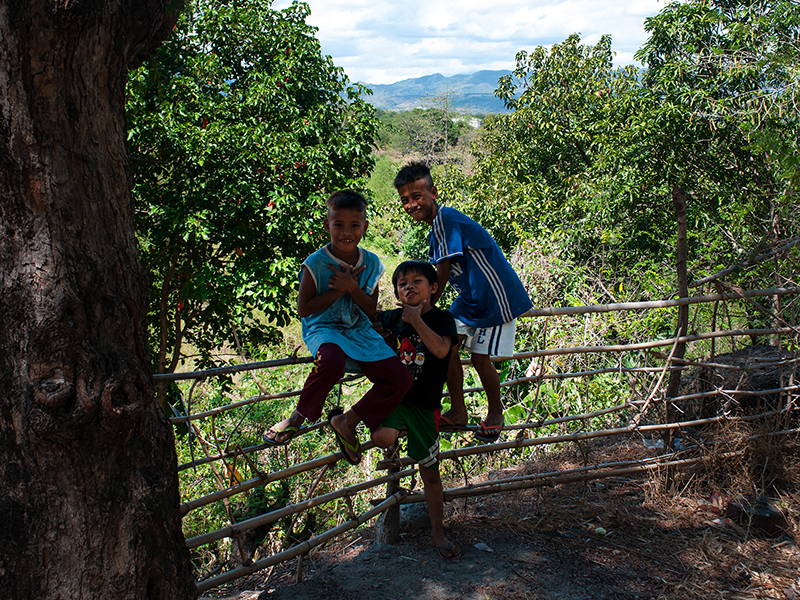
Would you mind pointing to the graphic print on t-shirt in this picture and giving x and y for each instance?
(412, 353)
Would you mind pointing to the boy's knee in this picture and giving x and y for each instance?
(430, 475)
(331, 358)
(383, 437)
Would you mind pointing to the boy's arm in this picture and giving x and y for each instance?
(439, 345)
(308, 303)
(442, 276)
(346, 282)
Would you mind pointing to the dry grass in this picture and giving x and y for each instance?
(663, 536)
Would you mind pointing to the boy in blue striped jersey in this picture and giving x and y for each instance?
(490, 295)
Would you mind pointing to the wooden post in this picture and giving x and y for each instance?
(388, 531)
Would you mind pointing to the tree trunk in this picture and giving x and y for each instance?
(89, 504)
(679, 201)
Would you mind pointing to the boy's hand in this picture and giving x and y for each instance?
(345, 279)
(412, 314)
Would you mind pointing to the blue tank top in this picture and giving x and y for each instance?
(343, 323)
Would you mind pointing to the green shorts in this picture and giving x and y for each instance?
(423, 432)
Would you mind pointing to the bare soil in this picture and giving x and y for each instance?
(620, 538)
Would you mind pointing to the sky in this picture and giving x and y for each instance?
(385, 41)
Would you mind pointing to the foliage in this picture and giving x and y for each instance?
(430, 133)
(725, 75)
(239, 127)
(591, 154)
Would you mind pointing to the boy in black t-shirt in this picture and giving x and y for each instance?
(423, 336)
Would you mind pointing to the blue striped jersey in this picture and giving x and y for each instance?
(489, 291)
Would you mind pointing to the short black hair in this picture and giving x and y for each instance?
(414, 266)
(347, 199)
(412, 172)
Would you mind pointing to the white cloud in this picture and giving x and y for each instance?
(378, 41)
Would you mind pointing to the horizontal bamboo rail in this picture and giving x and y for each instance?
(233, 529)
(509, 427)
(230, 370)
(623, 306)
(539, 312)
(270, 517)
(584, 473)
(580, 474)
(303, 548)
(655, 344)
(527, 355)
(537, 424)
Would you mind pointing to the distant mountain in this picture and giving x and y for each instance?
(469, 93)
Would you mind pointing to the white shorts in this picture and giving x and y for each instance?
(494, 341)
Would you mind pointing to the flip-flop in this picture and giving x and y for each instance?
(488, 437)
(450, 551)
(446, 424)
(291, 430)
(344, 445)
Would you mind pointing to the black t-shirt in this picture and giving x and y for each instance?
(429, 371)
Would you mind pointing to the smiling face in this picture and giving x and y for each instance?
(346, 227)
(412, 287)
(419, 200)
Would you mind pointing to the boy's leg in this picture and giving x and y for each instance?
(383, 437)
(457, 414)
(391, 380)
(434, 498)
(328, 369)
(490, 380)
(484, 343)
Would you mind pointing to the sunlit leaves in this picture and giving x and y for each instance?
(239, 127)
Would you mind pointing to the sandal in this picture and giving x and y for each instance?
(488, 433)
(449, 551)
(345, 446)
(289, 432)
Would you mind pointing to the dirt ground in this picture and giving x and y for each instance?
(620, 538)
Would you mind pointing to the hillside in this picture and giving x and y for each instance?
(472, 93)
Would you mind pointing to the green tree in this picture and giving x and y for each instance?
(239, 127)
(535, 171)
(591, 153)
(730, 69)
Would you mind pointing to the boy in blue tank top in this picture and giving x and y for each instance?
(490, 295)
(338, 294)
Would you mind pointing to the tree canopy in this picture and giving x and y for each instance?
(239, 127)
(591, 152)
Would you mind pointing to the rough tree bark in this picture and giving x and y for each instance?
(679, 200)
(88, 486)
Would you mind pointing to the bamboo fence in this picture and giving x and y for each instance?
(642, 411)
